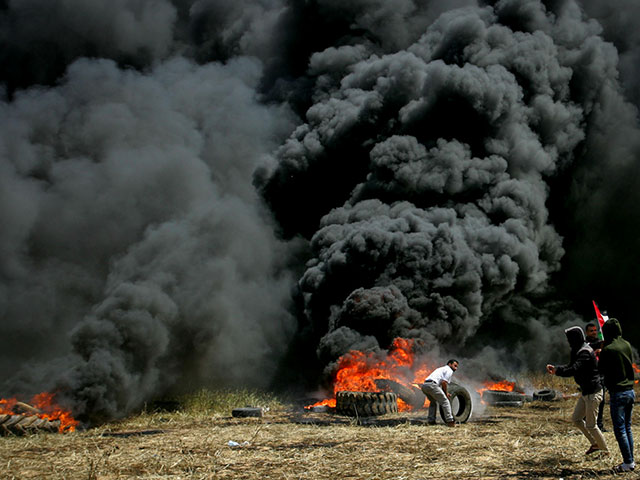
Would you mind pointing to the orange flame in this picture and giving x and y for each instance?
(357, 371)
(501, 386)
(50, 410)
(636, 370)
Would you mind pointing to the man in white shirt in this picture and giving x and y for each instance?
(435, 388)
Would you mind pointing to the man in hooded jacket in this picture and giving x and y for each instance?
(616, 366)
(591, 332)
(583, 367)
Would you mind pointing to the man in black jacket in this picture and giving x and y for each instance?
(591, 331)
(583, 367)
(617, 369)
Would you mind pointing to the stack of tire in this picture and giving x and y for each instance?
(366, 404)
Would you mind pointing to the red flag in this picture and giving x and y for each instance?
(598, 314)
(601, 318)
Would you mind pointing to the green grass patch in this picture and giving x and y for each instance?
(222, 402)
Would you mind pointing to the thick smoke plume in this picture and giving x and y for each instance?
(225, 193)
(425, 176)
(132, 233)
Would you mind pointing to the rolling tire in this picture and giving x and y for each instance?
(366, 404)
(461, 405)
(545, 395)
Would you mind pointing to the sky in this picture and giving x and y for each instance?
(236, 193)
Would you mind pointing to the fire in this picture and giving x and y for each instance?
(501, 386)
(636, 370)
(357, 371)
(48, 408)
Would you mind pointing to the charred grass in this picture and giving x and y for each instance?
(530, 442)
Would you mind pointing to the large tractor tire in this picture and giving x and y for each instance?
(461, 405)
(366, 404)
(411, 395)
(23, 424)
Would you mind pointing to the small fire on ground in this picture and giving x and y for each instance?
(44, 406)
(358, 371)
(501, 386)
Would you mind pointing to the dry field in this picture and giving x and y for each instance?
(532, 441)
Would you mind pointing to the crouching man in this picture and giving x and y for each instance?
(435, 388)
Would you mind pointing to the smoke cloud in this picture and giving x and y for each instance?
(439, 171)
(230, 193)
(133, 233)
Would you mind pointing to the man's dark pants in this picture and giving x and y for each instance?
(621, 405)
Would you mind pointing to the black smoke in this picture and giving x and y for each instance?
(472, 172)
(228, 193)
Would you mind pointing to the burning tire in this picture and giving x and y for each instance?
(461, 405)
(412, 396)
(366, 404)
(22, 424)
(495, 397)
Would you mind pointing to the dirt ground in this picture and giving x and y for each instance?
(533, 441)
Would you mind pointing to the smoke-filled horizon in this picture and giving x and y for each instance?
(215, 193)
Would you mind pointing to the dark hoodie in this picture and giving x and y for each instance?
(583, 366)
(616, 364)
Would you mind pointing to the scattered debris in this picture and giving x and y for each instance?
(233, 444)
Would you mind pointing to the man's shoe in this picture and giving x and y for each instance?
(624, 467)
(431, 422)
(451, 424)
(594, 449)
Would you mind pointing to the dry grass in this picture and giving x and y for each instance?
(533, 441)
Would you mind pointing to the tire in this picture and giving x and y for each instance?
(508, 404)
(366, 404)
(461, 405)
(247, 412)
(545, 395)
(23, 424)
(412, 396)
(493, 397)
